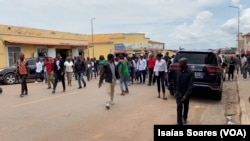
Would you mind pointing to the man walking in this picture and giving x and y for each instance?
(79, 70)
(183, 84)
(23, 71)
(49, 66)
(59, 72)
(110, 74)
(124, 75)
(151, 64)
(142, 66)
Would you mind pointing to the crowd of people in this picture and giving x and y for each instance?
(128, 70)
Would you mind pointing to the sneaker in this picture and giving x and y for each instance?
(123, 93)
(80, 87)
(112, 103)
(36, 82)
(21, 95)
(107, 106)
(49, 88)
(53, 91)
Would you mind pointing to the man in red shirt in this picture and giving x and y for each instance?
(151, 65)
(49, 64)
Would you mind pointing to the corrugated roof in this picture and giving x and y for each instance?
(17, 39)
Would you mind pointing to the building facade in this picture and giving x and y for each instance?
(36, 42)
(247, 43)
(122, 43)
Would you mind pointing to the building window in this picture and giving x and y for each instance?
(13, 54)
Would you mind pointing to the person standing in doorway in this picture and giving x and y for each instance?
(68, 64)
(160, 72)
(110, 73)
(183, 85)
(23, 71)
(59, 71)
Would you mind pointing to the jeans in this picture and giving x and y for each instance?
(38, 74)
(80, 78)
(142, 76)
(123, 83)
(45, 76)
(244, 72)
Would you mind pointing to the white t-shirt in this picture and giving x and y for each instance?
(39, 67)
(68, 66)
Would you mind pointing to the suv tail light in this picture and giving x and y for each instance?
(213, 69)
(174, 66)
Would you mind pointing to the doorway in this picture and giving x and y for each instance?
(63, 52)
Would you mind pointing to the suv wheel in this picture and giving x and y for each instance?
(10, 78)
(217, 96)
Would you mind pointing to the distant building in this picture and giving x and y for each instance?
(123, 43)
(36, 42)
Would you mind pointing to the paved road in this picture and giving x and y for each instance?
(80, 114)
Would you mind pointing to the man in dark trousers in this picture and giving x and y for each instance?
(79, 70)
(59, 72)
(23, 71)
(183, 85)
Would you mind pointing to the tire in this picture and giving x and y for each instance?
(217, 96)
(10, 78)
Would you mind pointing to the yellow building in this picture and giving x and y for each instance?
(36, 42)
(118, 43)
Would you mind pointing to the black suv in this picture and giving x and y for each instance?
(8, 75)
(207, 70)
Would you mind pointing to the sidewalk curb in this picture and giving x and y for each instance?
(243, 112)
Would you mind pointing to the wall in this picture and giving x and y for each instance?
(3, 56)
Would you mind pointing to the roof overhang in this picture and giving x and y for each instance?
(31, 40)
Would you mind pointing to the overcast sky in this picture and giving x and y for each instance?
(191, 24)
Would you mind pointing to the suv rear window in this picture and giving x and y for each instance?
(31, 62)
(197, 57)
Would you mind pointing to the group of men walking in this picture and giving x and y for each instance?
(125, 69)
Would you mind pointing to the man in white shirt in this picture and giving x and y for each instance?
(39, 68)
(142, 66)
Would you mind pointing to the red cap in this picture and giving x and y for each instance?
(21, 54)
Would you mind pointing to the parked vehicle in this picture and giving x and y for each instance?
(8, 75)
(208, 72)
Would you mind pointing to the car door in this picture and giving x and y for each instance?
(32, 68)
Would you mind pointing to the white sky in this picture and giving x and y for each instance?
(191, 24)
